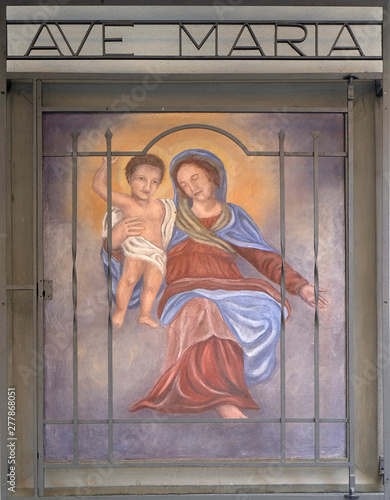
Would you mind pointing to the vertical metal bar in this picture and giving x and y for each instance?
(39, 273)
(3, 249)
(180, 39)
(385, 361)
(103, 39)
(276, 39)
(346, 294)
(109, 285)
(9, 361)
(216, 39)
(283, 295)
(36, 395)
(316, 137)
(75, 136)
(350, 269)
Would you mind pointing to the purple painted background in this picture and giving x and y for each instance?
(138, 351)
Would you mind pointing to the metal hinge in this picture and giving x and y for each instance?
(45, 289)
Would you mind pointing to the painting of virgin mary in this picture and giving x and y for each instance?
(235, 340)
(222, 328)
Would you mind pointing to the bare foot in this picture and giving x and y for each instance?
(230, 411)
(146, 320)
(117, 319)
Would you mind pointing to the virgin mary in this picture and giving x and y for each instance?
(222, 328)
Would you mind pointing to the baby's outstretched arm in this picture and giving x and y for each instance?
(99, 185)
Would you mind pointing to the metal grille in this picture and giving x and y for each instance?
(282, 154)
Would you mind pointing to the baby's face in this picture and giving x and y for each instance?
(144, 181)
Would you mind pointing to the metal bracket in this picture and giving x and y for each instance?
(381, 466)
(351, 90)
(352, 495)
(379, 88)
(45, 289)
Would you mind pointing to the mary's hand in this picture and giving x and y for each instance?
(307, 294)
(132, 226)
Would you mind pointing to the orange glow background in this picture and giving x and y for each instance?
(252, 181)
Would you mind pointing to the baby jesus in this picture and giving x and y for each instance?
(144, 255)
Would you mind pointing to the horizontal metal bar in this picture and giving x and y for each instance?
(251, 153)
(125, 57)
(168, 78)
(196, 421)
(200, 463)
(226, 421)
(15, 288)
(131, 22)
(252, 3)
(224, 496)
(71, 421)
(187, 109)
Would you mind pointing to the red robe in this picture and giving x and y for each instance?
(204, 366)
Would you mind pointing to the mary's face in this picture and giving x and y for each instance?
(195, 182)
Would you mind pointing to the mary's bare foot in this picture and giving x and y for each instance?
(230, 411)
(146, 320)
(117, 319)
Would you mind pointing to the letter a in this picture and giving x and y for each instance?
(346, 47)
(257, 46)
(43, 47)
